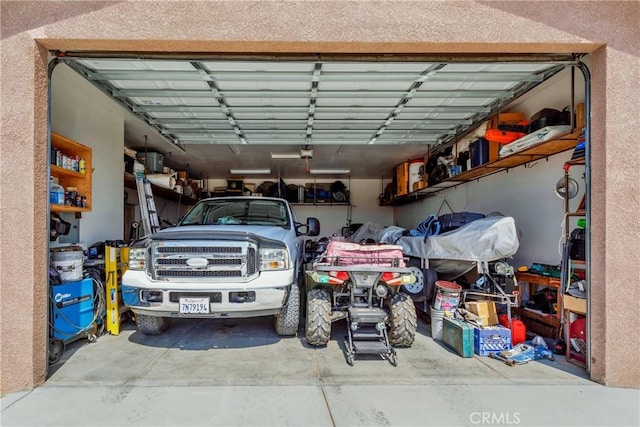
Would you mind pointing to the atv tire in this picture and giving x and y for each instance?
(288, 320)
(151, 325)
(404, 321)
(318, 330)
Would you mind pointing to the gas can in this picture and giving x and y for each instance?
(518, 329)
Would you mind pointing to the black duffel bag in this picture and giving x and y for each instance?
(455, 220)
(577, 244)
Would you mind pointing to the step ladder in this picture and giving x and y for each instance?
(367, 334)
(147, 203)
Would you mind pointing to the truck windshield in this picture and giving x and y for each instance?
(233, 212)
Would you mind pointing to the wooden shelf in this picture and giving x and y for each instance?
(531, 317)
(70, 178)
(58, 171)
(165, 193)
(578, 161)
(530, 154)
(63, 208)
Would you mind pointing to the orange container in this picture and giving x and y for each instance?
(502, 136)
(507, 118)
(518, 329)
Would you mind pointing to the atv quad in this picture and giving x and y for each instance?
(362, 284)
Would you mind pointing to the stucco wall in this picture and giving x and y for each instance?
(331, 26)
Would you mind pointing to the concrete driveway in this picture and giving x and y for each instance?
(239, 372)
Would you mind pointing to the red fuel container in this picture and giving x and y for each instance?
(518, 329)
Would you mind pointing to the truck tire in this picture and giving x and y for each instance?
(404, 321)
(151, 325)
(288, 320)
(318, 330)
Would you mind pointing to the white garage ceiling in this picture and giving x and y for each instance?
(365, 116)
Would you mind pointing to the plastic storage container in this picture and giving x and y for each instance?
(479, 152)
(68, 261)
(153, 162)
(491, 340)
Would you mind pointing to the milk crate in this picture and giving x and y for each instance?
(491, 340)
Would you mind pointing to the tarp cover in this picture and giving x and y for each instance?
(486, 239)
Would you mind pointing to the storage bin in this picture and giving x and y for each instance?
(479, 152)
(153, 162)
(491, 340)
(235, 185)
(458, 336)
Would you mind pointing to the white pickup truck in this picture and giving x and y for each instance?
(228, 257)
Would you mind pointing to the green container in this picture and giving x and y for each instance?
(458, 336)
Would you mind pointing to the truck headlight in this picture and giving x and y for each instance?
(274, 259)
(137, 258)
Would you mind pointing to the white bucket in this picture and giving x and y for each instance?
(68, 262)
(436, 323)
(416, 169)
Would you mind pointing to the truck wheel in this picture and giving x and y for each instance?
(288, 319)
(403, 320)
(318, 329)
(151, 325)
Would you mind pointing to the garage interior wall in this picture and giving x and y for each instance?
(81, 112)
(608, 30)
(527, 193)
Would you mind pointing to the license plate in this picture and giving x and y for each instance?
(193, 305)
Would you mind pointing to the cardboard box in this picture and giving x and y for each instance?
(486, 310)
(576, 305)
(419, 185)
(402, 179)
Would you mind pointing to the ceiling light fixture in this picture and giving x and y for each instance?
(285, 155)
(249, 171)
(306, 152)
(328, 171)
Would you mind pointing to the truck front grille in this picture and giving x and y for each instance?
(203, 260)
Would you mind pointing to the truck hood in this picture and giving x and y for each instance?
(214, 231)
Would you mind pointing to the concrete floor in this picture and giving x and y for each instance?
(239, 372)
